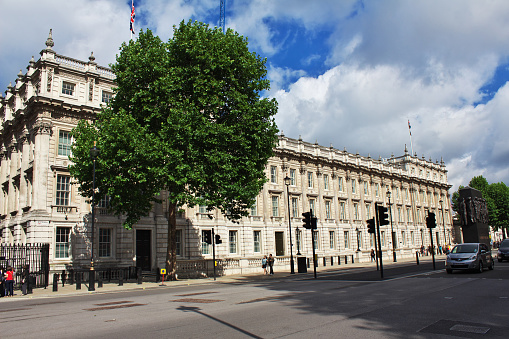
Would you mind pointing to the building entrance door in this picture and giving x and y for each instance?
(280, 244)
(143, 249)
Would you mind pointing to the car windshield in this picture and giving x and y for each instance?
(465, 248)
(504, 244)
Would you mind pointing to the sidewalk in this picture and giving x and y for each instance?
(70, 290)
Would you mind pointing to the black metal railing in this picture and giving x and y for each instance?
(35, 256)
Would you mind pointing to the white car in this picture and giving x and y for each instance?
(469, 256)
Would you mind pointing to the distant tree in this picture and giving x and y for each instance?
(186, 120)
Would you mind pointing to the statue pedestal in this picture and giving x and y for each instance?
(474, 216)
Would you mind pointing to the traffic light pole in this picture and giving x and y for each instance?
(313, 245)
(214, 252)
(432, 246)
(379, 242)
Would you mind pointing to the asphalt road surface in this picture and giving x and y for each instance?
(412, 302)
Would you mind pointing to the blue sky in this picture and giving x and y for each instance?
(349, 73)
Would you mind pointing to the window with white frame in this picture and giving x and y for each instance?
(64, 143)
(205, 247)
(400, 215)
(275, 206)
(368, 211)
(328, 209)
(273, 174)
(62, 242)
(257, 241)
(293, 180)
(298, 235)
(295, 207)
(310, 179)
(366, 188)
(342, 210)
(105, 242)
(332, 240)
(325, 181)
(383, 240)
(106, 97)
(315, 239)
(377, 189)
(312, 207)
(63, 190)
(232, 242)
(179, 242)
(346, 234)
(403, 238)
(354, 184)
(408, 215)
(340, 184)
(412, 237)
(68, 88)
(356, 211)
(254, 209)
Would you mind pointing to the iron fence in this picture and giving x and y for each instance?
(35, 256)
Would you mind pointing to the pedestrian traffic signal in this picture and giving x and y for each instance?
(371, 225)
(306, 220)
(218, 239)
(313, 223)
(383, 216)
(207, 237)
(430, 220)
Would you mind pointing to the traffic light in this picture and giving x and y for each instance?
(371, 225)
(313, 223)
(306, 220)
(218, 239)
(383, 217)
(207, 237)
(430, 220)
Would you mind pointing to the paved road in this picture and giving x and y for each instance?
(413, 302)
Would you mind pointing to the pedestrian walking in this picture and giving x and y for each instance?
(25, 277)
(270, 262)
(372, 255)
(2, 282)
(264, 264)
(9, 282)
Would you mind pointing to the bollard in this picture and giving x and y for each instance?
(158, 274)
(121, 278)
(71, 275)
(55, 282)
(353, 261)
(307, 261)
(417, 257)
(78, 280)
(139, 275)
(324, 262)
(339, 260)
(332, 261)
(64, 276)
(346, 260)
(99, 280)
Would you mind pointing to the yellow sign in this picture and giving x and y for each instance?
(163, 271)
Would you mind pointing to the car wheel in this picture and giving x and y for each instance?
(481, 268)
(449, 271)
(492, 266)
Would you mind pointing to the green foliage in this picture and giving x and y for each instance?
(186, 117)
(497, 200)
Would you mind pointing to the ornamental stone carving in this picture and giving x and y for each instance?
(42, 128)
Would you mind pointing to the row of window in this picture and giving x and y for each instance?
(341, 187)
(69, 88)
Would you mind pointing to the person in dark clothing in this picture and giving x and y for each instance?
(25, 277)
(270, 262)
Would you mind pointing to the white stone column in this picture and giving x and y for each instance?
(24, 165)
(42, 132)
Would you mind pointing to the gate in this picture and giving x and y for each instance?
(36, 256)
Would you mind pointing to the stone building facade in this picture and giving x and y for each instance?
(40, 204)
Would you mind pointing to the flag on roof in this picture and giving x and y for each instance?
(132, 17)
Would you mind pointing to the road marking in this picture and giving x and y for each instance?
(199, 301)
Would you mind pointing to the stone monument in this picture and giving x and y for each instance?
(474, 216)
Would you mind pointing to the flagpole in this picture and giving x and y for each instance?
(132, 23)
(411, 146)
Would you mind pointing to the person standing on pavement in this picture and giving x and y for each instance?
(372, 255)
(264, 264)
(25, 276)
(270, 262)
(9, 282)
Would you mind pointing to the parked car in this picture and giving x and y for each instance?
(469, 256)
(503, 250)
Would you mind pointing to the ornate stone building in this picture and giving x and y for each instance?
(40, 204)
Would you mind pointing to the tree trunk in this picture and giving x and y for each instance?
(171, 257)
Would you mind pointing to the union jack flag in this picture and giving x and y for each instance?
(132, 18)
(409, 128)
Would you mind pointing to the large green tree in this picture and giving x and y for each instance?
(187, 118)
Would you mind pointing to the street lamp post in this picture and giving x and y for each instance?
(94, 152)
(287, 183)
(392, 229)
(443, 218)
(358, 243)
